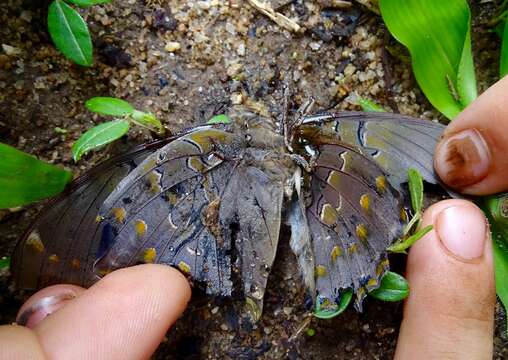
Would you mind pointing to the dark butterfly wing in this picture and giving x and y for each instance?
(186, 203)
(60, 246)
(394, 141)
(357, 208)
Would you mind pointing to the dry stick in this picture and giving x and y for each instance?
(278, 18)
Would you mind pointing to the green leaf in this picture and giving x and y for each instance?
(109, 106)
(345, 299)
(393, 288)
(503, 63)
(24, 179)
(5, 262)
(147, 120)
(98, 136)
(402, 246)
(70, 33)
(87, 3)
(437, 34)
(415, 182)
(370, 106)
(219, 119)
(496, 209)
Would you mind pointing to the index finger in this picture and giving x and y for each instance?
(472, 156)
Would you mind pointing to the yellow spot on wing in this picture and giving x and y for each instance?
(184, 267)
(75, 263)
(54, 258)
(372, 283)
(361, 232)
(320, 271)
(149, 255)
(403, 215)
(204, 138)
(336, 252)
(119, 213)
(196, 164)
(153, 180)
(333, 179)
(381, 183)
(365, 202)
(140, 227)
(353, 248)
(328, 214)
(35, 242)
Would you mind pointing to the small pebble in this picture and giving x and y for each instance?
(172, 46)
(224, 327)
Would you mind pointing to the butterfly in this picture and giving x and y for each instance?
(212, 202)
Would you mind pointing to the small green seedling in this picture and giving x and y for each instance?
(219, 119)
(108, 132)
(70, 32)
(345, 299)
(370, 106)
(393, 288)
(415, 183)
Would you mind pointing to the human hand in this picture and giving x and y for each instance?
(450, 312)
(123, 316)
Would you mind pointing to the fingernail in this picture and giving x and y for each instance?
(462, 230)
(462, 159)
(42, 308)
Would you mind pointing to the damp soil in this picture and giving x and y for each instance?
(186, 61)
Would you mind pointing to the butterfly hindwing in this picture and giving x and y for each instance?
(353, 217)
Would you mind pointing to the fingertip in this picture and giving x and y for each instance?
(450, 271)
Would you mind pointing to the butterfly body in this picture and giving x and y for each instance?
(211, 202)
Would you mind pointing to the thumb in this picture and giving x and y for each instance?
(450, 311)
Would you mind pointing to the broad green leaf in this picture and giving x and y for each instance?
(370, 106)
(70, 33)
(437, 34)
(109, 106)
(415, 182)
(328, 314)
(24, 179)
(219, 119)
(503, 63)
(5, 262)
(496, 208)
(402, 246)
(393, 288)
(98, 136)
(87, 3)
(147, 120)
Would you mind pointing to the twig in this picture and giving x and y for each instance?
(278, 18)
(371, 5)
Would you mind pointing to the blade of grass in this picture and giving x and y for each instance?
(437, 34)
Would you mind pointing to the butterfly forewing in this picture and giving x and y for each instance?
(395, 142)
(60, 246)
(186, 205)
